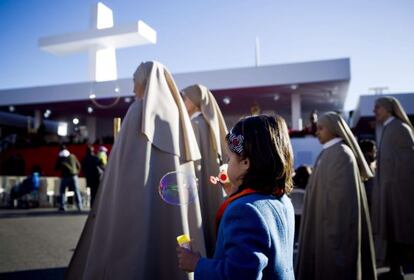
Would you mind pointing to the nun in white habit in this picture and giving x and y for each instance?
(210, 131)
(335, 238)
(393, 192)
(131, 232)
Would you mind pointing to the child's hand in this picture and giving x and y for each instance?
(187, 260)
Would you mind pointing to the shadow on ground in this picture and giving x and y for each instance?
(37, 274)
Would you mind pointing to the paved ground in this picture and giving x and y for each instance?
(37, 243)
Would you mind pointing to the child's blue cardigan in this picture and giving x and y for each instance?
(255, 241)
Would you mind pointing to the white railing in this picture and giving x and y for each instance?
(49, 190)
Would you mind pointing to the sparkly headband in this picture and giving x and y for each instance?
(235, 142)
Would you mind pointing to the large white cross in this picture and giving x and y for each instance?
(101, 42)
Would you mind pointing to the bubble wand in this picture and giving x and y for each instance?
(222, 178)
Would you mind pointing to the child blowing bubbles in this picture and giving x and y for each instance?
(256, 223)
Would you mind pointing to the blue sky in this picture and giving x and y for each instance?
(378, 36)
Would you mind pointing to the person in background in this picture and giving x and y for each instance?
(131, 232)
(393, 192)
(301, 177)
(69, 167)
(335, 238)
(28, 185)
(313, 120)
(210, 131)
(300, 180)
(369, 150)
(102, 157)
(92, 171)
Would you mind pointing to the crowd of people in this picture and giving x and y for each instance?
(356, 214)
(357, 207)
(69, 167)
(93, 166)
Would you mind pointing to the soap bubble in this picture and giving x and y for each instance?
(178, 188)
